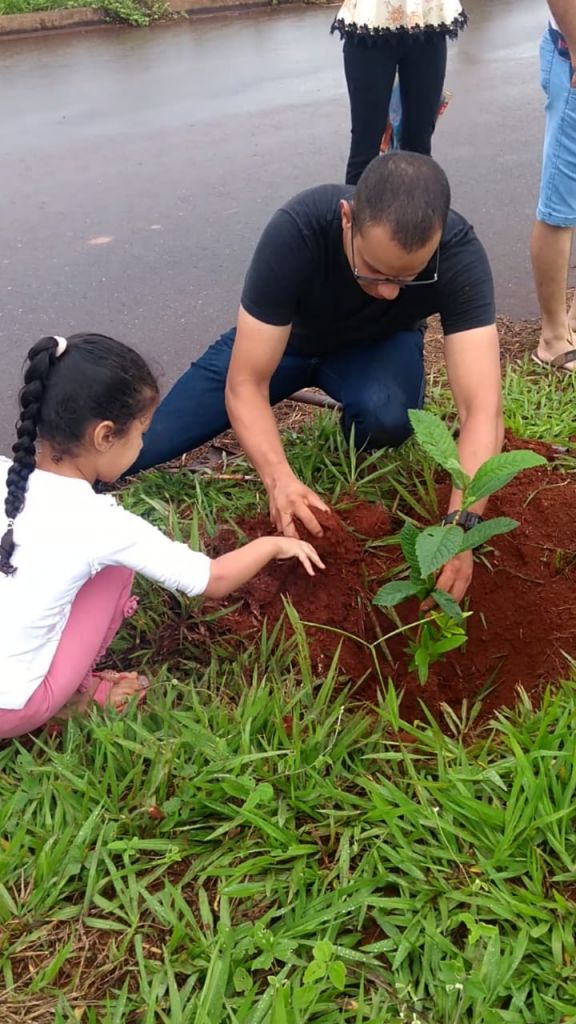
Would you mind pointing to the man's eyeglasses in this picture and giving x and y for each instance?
(400, 281)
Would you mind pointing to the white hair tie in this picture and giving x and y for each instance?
(62, 345)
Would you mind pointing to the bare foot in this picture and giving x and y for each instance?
(117, 687)
(77, 705)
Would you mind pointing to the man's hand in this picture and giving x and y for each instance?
(456, 576)
(292, 502)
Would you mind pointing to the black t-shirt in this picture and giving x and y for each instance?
(300, 275)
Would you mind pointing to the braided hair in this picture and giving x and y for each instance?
(96, 379)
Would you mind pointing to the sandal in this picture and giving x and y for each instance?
(559, 362)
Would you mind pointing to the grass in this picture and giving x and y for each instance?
(250, 848)
(26, 6)
(540, 403)
(134, 12)
(181, 864)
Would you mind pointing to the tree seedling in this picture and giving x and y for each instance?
(427, 550)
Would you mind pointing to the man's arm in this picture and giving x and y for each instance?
(564, 11)
(257, 351)
(473, 364)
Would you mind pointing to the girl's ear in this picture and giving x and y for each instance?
(104, 436)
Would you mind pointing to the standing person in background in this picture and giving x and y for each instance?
(556, 213)
(382, 37)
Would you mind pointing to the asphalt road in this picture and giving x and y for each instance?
(138, 167)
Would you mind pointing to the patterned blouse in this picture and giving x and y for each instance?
(372, 18)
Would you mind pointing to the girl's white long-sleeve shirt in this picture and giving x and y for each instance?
(65, 534)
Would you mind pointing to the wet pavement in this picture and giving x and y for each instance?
(138, 167)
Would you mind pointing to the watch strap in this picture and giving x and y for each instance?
(463, 518)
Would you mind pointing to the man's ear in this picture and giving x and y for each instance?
(345, 213)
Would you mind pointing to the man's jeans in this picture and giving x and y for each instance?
(557, 201)
(376, 385)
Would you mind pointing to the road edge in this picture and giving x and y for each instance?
(86, 17)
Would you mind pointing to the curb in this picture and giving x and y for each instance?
(46, 21)
(84, 17)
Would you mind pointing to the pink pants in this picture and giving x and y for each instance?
(95, 617)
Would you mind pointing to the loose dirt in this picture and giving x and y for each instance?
(522, 594)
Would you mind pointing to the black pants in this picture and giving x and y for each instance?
(370, 68)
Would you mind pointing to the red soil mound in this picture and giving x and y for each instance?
(522, 596)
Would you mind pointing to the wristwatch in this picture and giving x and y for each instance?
(462, 518)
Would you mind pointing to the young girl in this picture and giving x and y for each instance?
(67, 554)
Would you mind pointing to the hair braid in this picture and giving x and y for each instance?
(41, 359)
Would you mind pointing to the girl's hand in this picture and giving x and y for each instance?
(292, 547)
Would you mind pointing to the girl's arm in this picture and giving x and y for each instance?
(122, 538)
(230, 571)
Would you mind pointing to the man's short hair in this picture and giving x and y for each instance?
(406, 191)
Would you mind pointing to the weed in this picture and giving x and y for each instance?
(133, 12)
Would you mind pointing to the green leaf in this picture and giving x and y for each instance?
(315, 971)
(304, 996)
(408, 536)
(484, 532)
(499, 471)
(263, 962)
(337, 975)
(421, 662)
(8, 908)
(434, 437)
(242, 980)
(448, 605)
(280, 1007)
(263, 793)
(449, 643)
(491, 960)
(437, 545)
(283, 948)
(394, 593)
(323, 950)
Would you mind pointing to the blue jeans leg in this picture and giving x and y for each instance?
(193, 412)
(377, 384)
(557, 200)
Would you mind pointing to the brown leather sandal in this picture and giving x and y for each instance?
(559, 362)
